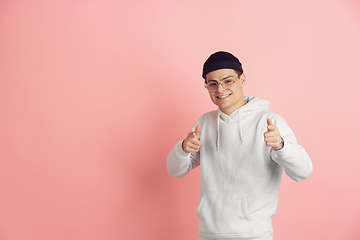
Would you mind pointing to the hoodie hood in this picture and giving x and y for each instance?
(252, 104)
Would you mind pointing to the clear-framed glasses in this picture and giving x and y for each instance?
(212, 86)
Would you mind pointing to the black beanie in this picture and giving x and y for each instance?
(220, 60)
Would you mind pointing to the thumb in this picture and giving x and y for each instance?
(270, 124)
(197, 131)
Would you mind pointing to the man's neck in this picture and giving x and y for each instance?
(230, 111)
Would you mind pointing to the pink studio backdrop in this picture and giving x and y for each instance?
(94, 94)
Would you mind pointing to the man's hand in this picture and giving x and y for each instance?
(272, 137)
(191, 142)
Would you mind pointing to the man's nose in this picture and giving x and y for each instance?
(220, 88)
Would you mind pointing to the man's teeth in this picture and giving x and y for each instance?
(224, 96)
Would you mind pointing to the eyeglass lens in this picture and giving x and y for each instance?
(213, 86)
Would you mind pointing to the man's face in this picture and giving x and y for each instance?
(228, 100)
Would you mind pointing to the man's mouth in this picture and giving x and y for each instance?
(223, 96)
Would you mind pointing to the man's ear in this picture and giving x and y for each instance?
(242, 79)
(205, 80)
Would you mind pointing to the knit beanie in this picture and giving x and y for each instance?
(220, 60)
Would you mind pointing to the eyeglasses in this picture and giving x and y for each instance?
(213, 86)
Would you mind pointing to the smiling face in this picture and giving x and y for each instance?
(228, 100)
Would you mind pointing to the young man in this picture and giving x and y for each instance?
(242, 149)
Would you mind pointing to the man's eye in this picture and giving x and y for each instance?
(227, 81)
(212, 84)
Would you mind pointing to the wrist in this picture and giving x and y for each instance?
(281, 145)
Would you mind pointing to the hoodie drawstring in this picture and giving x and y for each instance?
(218, 132)
(240, 132)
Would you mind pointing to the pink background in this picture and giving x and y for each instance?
(94, 94)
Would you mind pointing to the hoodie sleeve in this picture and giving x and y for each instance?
(179, 163)
(292, 157)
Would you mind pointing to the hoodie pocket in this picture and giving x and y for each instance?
(224, 213)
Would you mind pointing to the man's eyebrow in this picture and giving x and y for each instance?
(226, 77)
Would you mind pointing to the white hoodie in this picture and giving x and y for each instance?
(239, 175)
